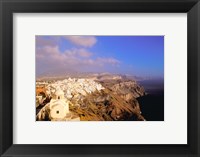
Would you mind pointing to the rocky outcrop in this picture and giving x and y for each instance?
(106, 105)
(128, 90)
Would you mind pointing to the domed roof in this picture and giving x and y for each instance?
(59, 92)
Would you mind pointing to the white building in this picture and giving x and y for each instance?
(59, 107)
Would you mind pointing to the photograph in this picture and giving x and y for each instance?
(99, 78)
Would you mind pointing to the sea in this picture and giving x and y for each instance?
(152, 104)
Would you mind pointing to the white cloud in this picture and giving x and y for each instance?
(51, 59)
(41, 41)
(79, 52)
(85, 41)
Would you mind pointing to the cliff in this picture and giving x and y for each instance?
(100, 99)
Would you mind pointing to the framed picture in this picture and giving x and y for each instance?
(99, 78)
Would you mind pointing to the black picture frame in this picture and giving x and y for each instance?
(8, 7)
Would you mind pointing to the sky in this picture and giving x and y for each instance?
(141, 56)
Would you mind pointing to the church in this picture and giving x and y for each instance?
(59, 106)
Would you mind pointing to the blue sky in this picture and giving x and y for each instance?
(134, 55)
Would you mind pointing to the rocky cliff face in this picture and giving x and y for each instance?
(109, 100)
(128, 90)
(122, 103)
(106, 105)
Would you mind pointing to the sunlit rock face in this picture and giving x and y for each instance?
(128, 90)
(96, 99)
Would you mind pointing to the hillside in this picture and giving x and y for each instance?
(99, 99)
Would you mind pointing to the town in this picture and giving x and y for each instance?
(58, 95)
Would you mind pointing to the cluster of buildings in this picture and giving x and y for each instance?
(72, 87)
(61, 92)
